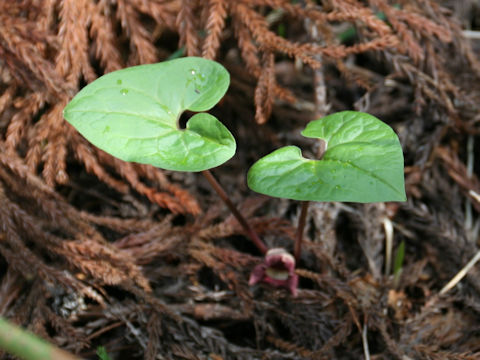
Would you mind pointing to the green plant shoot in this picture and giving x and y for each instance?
(102, 353)
(363, 162)
(133, 114)
(398, 263)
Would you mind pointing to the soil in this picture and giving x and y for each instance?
(147, 281)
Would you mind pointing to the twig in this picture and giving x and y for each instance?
(475, 195)
(246, 226)
(366, 350)
(387, 225)
(470, 162)
(320, 88)
(470, 34)
(461, 274)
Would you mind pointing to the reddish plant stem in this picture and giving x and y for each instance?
(246, 226)
(297, 251)
(301, 225)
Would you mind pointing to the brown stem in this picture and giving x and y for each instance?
(300, 227)
(246, 226)
(297, 251)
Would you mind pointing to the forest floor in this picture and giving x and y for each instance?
(150, 264)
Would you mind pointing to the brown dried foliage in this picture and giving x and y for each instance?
(181, 287)
(30, 220)
(55, 58)
(217, 13)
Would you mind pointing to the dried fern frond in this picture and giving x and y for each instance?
(141, 41)
(215, 25)
(28, 108)
(264, 94)
(72, 61)
(31, 218)
(29, 58)
(21, 49)
(104, 38)
(187, 26)
(86, 34)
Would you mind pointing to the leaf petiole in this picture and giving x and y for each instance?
(301, 225)
(246, 226)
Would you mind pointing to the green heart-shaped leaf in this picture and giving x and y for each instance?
(133, 114)
(363, 162)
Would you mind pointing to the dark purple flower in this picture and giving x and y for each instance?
(278, 269)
